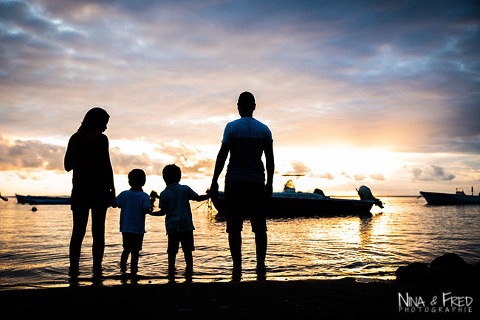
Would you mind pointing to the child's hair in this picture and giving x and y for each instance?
(171, 174)
(137, 178)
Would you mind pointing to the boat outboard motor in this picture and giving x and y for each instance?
(320, 192)
(366, 194)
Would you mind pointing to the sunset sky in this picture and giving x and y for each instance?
(378, 93)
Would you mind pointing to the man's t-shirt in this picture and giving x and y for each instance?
(247, 138)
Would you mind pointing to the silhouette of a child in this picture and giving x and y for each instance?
(174, 203)
(134, 204)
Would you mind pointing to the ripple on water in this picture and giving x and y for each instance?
(34, 246)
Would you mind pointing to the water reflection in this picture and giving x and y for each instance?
(34, 245)
(370, 225)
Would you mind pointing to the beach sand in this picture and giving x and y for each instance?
(307, 299)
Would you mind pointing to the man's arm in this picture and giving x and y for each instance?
(270, 166)
(219, 164)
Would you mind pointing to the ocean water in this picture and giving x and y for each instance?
(34, 245)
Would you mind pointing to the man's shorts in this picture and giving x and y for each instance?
(185, 238)
(132, 241)
(245, 200)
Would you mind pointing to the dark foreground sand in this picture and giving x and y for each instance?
(310, 299)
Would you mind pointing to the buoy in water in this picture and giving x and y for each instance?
(34, 209)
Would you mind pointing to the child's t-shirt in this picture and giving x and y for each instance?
(175, 200)
(132, 204)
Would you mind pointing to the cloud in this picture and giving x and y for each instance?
(346, 175)
(299, 167)
(431, 173)
(191, 160)
(22, 16)
(31, 154)
(327, 175)
(123, 163)
(359, 177)
(399, 74)
(377, 176)
(362, 176)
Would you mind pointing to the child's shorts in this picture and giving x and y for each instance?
(132, 241)
(185, 238)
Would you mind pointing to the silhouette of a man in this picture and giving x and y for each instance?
(246, 139)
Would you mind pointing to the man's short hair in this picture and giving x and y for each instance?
(246, 101)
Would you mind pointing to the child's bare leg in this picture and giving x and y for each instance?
(123, 260)
(134, 262)
(171, 263)
(188, 261)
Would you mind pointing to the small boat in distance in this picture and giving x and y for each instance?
(459, 197)
(42, 199)
(291, 203)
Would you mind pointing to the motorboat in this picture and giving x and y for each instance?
(42, 199)
(290, 203)
(459, 197)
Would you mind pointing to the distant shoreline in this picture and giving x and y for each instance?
(335, 196)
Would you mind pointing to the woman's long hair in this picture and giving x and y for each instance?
(95, 119)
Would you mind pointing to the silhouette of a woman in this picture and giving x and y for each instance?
(93, 189)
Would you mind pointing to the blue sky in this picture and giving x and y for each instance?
(383, 93)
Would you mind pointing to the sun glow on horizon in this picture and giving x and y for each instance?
(342, 160)
(335, 168)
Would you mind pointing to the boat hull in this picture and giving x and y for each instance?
(305, 204)
(449, 198)
(42, 200)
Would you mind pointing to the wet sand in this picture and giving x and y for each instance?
(309, 299)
